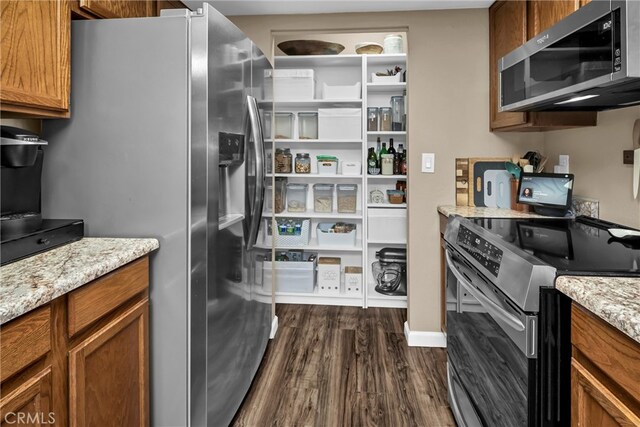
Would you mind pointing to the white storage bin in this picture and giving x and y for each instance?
(290, 276)
(339, 123)
(386, 79)
(348, 92)
(289, 85)
(327, 166)
(353, 281)
(387, 225)
(286, 241)
(334, 239)
(351, 168)
(328, 276)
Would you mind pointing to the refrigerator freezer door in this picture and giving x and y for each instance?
(237, 324)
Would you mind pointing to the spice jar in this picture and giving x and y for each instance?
(303, 163)
(283, 160)
(385, 119)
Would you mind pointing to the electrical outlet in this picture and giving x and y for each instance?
(428, 162)
(627, 157)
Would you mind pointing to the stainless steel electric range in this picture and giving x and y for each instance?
(508, 329)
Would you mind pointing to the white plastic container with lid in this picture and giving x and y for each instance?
(329, 275)
(327, 165)
(351, 168)
(339, 123)
(286, 85)
(393, 44)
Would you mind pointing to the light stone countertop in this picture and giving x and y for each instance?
(37, 280)
(616, 300)
(471, 212)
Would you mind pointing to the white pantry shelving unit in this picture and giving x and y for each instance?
(342, 70)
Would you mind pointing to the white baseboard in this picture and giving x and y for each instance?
(274, 327)
(424, 339)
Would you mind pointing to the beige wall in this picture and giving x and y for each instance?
(448, 115)
(596, 161)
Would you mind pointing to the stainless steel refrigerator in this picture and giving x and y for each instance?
(165, 140)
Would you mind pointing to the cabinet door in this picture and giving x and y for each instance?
(507, 31)
(35, 57)
(593, 404)
(169, 4)
(108, 373)
(544, 13)
(119, 8)
(30, 404)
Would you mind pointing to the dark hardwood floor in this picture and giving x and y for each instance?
(346, 366)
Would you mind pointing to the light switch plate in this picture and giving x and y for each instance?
(428, 162)
(563, 160)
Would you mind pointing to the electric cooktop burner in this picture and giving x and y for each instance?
(50, 234)
(573, 246)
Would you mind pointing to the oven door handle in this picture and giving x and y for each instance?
(492, 308)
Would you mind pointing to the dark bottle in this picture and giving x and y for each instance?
(372, 162)
(378, 146)
(391, 149)
(403, 163)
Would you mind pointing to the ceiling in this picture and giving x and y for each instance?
(278, 7)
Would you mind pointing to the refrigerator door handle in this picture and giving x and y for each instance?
(258, 141)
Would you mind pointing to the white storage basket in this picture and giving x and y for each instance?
(285, 241)
(334, 239)
(339, 123)
(387, 225)
(290, 276)
(347, 92)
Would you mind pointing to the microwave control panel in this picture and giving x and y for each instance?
(487, 254)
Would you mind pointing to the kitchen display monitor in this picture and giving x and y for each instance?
(548, 193)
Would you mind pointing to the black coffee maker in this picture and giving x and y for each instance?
(21, 159)
(23, 232)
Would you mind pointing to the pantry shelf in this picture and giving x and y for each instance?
(314, 176)
(387, 205)
(314, 246)
(335, 215)
(313, 103)
(386, 87)
(315, 298)
(388, 133)
(376, 299)
(387, 176)
(318, 141)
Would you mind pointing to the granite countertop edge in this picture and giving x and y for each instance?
(483, 212)
(616, 300)
(35, 281)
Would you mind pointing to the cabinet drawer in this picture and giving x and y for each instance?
(443, 223)
(89, 303)
(24, 340)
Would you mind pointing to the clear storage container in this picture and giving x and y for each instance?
(347, 198)
(280, 194)
(373, 119)
(307, 125)
(385, 119)
(297, 197)
(397, 113)
(323, 198)
(284, 126)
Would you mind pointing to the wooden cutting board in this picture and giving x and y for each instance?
(462, 182)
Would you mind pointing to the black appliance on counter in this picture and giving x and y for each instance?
(508, 328)
(23, 232)
(390, 271)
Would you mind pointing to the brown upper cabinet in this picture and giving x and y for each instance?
(511, 24)
(35, 63)
(115, 8)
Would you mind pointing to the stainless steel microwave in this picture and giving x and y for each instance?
(588, 61)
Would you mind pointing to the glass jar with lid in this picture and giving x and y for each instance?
(283, 160)
(397, 113)
(303, 163)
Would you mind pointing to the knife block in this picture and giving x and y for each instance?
(514, 195)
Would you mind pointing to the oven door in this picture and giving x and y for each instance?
(491, 351)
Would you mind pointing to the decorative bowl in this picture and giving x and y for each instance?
(310, 47)
(368, 48)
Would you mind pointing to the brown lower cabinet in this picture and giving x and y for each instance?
(605, 373)
(96, 375)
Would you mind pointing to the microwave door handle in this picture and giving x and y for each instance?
(258, 141)
(492, 308)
